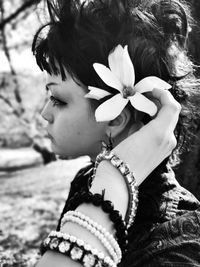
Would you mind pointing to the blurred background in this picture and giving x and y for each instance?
(32, 190)
(33, 184)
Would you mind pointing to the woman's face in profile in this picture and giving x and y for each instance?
(71, 124)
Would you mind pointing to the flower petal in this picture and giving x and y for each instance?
(149, 83)
(127, 76)
(142, 103)
(107, 76)
(111, 108)
(96, 93)
(115, 59)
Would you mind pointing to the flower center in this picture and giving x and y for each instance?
(128, 91)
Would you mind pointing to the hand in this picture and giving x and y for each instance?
(147, 148)
(143, 150)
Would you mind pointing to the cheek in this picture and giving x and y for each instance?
(87, 133)
(80, 130)
(94, 133)
(68, 129)
(62, 126)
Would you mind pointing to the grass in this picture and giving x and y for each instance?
(31, 202)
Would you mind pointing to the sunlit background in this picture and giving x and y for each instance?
(33, 183)
(33, 186)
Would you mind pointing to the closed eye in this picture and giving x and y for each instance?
(57, 102)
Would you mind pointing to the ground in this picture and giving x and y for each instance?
(31, 201)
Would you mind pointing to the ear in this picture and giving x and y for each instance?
(116, 126)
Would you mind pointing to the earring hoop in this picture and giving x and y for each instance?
(111, 142)
(109, 146)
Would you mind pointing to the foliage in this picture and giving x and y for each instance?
(17, 18)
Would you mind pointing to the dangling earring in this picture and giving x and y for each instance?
(105, 148)
(109, 146)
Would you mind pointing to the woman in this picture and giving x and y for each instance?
(104, 59)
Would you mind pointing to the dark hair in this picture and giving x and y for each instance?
(80, 34)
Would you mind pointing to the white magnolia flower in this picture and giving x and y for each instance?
(121, 76)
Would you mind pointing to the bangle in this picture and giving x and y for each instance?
(100, 232)
(107, 206)
(76, 249)
(103, 240)
(129, 179)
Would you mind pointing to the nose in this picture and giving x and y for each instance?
(47, 114)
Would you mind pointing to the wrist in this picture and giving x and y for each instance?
(134, 156)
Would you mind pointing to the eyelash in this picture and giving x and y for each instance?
(56, 102)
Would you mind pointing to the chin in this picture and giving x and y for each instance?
(59, 152)
(67, 154)
(71, 153)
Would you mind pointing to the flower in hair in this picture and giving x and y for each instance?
(121, 76)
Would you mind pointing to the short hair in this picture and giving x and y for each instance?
(82, 33)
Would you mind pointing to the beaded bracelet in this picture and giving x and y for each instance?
(76, 249)
(107, 206)
(100, 228)
(102, 239)
(96, 229)
(129, 179)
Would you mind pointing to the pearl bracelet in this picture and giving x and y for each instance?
(101, 233)
(107, 206)
(129, 179)
(76, 249)
(100, 228)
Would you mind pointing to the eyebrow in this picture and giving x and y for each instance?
(49, 85)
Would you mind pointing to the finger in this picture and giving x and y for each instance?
(170, 108)
(153, 99)
(164, 96)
